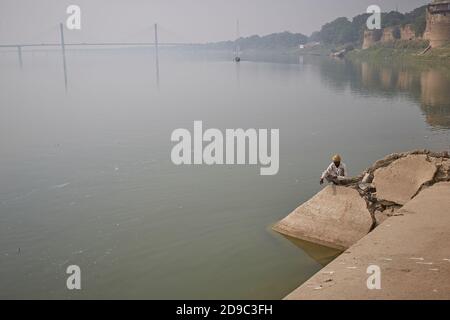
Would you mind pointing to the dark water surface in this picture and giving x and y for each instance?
(86, 176)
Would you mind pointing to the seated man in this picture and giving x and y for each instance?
(335, 172)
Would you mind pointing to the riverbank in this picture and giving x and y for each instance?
(409, 53)
(411, 249)
(409, 202)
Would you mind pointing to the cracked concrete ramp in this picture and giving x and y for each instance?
(411, 251)
(401, 180)
(336, 217)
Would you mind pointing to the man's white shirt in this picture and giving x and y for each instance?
(332, 170)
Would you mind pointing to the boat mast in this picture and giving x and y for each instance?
(237, 39)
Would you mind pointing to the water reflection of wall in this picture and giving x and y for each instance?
(404, 80)
(386, 79)
(429, 89)
(436, 98)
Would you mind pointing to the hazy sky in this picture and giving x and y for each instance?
(179, 20)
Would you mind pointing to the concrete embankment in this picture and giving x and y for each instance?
(410, 192)
(336, 217)
(412, 250)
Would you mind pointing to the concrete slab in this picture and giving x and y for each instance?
(336, 217)
(402, 179)
(412, 251)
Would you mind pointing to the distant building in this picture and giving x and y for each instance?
(407, 33)
(438, 23)
(437, 29)
(390, 34)
(371, 37)
(312, 44)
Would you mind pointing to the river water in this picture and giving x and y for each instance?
(86, 177)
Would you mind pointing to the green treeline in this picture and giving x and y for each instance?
(341, 31)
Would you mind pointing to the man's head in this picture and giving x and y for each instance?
(337, 160)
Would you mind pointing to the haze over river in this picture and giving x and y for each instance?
(86, 177)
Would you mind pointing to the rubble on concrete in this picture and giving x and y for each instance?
(337, 217)
(401, 181)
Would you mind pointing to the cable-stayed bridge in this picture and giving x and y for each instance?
(154, 31)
